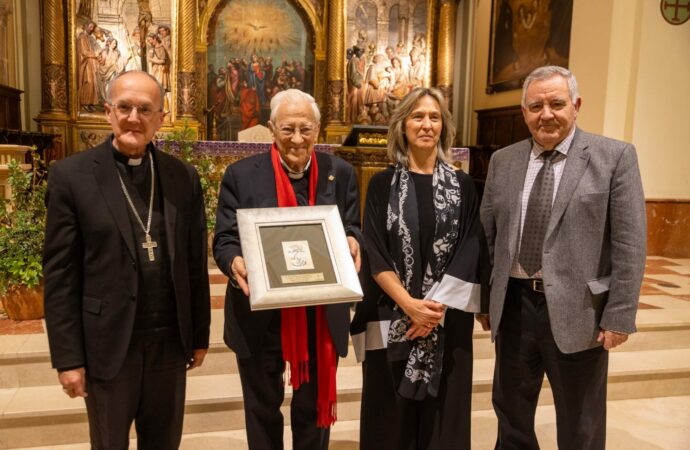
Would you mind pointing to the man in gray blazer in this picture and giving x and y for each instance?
(566, 231)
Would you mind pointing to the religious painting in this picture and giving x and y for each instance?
(257, 48)
(387, 56)
(114, 36)
(526, 34)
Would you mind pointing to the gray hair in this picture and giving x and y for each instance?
(544, 72)
(397, 141)
(293, 95)
(112, 82)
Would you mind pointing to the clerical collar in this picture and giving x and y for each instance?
(293, 174)
(126, 160)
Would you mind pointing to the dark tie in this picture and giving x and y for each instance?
(537, 216)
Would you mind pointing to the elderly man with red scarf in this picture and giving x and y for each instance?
(308, 340)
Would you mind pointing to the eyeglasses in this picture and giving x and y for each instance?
(306, 132)
(125, 109)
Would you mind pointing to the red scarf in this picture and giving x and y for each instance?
(294, 320)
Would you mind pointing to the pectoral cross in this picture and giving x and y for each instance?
(149, 245)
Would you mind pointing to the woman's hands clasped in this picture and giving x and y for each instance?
(425, 315)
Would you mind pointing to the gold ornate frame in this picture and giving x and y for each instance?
(60, 115)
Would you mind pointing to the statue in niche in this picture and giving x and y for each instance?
(355, 78)
(88, 52)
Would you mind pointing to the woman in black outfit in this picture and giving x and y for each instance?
(424, 276)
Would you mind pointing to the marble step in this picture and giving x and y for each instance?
(25, 360)
(654, 423)
(34, 416)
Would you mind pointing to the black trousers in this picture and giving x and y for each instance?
(149, 390)
(263, 389)
(525, 350)
(390, 422)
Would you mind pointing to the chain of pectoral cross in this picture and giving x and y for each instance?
(148, 244)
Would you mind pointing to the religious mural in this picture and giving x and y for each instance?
(118, 35)
(387, 56)
(257, 48)
(525, 35)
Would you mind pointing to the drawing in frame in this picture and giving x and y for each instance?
(297, 256)
(526, 34)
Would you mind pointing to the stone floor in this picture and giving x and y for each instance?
(659, 422)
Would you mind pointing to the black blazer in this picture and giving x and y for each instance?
(89, 260)
(250, 183)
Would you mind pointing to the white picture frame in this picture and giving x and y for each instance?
(297, 256)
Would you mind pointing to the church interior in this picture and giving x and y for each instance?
(221, 61)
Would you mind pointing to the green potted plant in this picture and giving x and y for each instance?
(22, 228)
(181, 143)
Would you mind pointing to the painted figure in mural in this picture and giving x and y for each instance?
(400, 85)
(530, 39)
(111, 64)
(159, 60)
(249, 106)
(390, 53)
(416, 74)
(256, 78)
(378, 82)
(223, 105)
(268, 70)
(150, 45)
(134, 43)
(233, 75)
(88, 52)
(164, 33)
(280, 81)
(355, 78)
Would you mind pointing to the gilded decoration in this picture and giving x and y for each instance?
(186, 94)
(388, 54)
(221, 61)
(91, 138)
(54, 88)
(335, 97)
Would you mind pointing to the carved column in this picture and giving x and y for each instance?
(446, 50)
(336, 62)
(186, 74)
(54, 71)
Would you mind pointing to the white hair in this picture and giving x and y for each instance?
(293, 95)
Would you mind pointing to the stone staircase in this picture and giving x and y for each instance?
(34, 412)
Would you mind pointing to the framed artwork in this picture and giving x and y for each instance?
(526, 34)
(297, 257)
(256, 48)
(115, 36)
(388, 55)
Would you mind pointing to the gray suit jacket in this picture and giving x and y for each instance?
(594, 249)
